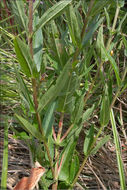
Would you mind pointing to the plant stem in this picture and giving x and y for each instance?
(66, 133)
(60, 127)
(34, 86)
(54, 186)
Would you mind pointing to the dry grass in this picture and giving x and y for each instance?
(100, 172)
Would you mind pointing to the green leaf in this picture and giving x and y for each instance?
(51, 147)
(100, 43)
(91, 29)
(49, 119)
(74, 168)
(63, 185)
(100, 144)
(54, 91)
(5, 158)
(98, 7)
(24, 90)
(52, 13)
(73, 25)
(23, 62)
(27, 126)
(120, 3)
(121, 22)
(118, 152)
(107, 18)
(125, 44)
(66, 98)
(88, 140)
(58, 46)
(19, 13)
(78, 111)
(22, 135)
(105, 108)
(68, 153)
(37, 43)
(114, 65)
(88, 113)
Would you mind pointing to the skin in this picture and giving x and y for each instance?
(28, 183)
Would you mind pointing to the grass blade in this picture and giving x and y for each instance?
(119, 159)
(5, 159)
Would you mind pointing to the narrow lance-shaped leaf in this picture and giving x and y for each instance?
(90, 31)
(68, 153)
(57, 47)
(73, 25)
(107, 18)
(114, 65)
(19, 13)
(66, 98)
(74, 168)
(105, 108)
(100, 43)
(37, 43)
(52, 13)
(24, 89)
(100, 144)
(54, 91)
(88, 140)
(125, 44)
(67, 156)
(88, 113)
(77, 114)
(23, 52)
(49, 119)
(27, 126)
(21, 59)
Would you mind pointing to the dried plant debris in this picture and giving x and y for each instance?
(18, 159)
(100, 172)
